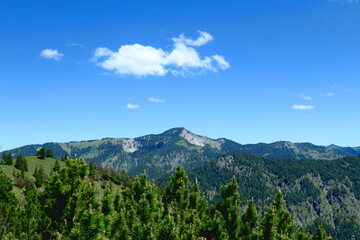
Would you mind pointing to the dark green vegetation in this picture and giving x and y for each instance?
(69, 205)
(320, 184)
(316, 191)
(161, 153)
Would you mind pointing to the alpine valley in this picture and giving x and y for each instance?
(321, 184)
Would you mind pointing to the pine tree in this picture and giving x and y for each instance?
(230, 208)
(56, 167)
(49, 153)
(21, 163)
(41, 153)
(67, 196)
(277, 222)
(9, 207)
(215, 227)
(320, 234)
(249, 223)
(7, 158)
(40, 176)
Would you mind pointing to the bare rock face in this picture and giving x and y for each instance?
(199, 140)
(130, 145)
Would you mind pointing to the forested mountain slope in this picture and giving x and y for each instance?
(68, 206)
(161, 153)
(316, 191)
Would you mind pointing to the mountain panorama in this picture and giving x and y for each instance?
(321, 184)
(161, 153)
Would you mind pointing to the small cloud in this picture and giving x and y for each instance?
(151, 99)
(305, 97)
(203, 39)
(329, 94)
(74, 45)
(140, 60)
(51, 54)
(132, 106)
(302, 107)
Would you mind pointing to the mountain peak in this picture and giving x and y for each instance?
(199, 140)
(174, 131)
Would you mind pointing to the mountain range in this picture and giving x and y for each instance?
(161, 153)
(321, 184)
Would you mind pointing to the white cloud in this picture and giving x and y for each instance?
(132, 106)
(306, 97)
(142, 60)
(152, 99)
(302, 107)
(51, 54)
(329, 94)
(203, 39)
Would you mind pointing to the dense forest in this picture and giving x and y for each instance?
(70, 204)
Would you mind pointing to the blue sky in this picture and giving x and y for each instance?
(251, 71)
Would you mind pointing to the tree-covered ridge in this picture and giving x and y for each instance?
(70, 207)
(161, 153)
(316, 191)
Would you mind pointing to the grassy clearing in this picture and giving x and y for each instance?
(48, 165)
(32, 162)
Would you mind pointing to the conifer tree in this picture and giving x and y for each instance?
(41, 153)
(320, 234)
(249, 223)
(9, 160)
(56, 167)
(215, 227)
(230, 208)
(9, 207)
(21, 163)
(302, 235)
(49, 153)
(277, 222)
(40, 176)
(67, 196)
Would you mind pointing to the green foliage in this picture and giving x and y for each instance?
(326, 191)
(249, 228)
(41, 153)
(9, 207)
(230, 208)
(49, 153)
(21, 163)
(70, 206)
(57, 166)
(40, 176)
(7, 158)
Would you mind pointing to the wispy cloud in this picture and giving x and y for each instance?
(132, 106)
(305, 97)
(302, 107)
(51, 54)
(156, 100)
(329, 94)
(75, 45)
(203, 39)
(140, 60)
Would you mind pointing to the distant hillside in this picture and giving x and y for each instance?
(317, 192)
(161, 153)
(349, 150)
(102, 176)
